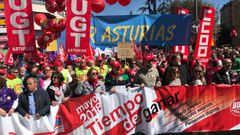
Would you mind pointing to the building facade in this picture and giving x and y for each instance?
(230, 17)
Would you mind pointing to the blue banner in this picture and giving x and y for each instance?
(154, 30)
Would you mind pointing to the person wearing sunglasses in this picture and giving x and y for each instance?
(57, 88)
(116, 77)
(174, 77)
(91, 85)
(198, 76)
(13, 81)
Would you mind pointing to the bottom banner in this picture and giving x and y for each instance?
(213, 109)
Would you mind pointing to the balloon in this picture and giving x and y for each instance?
(110, 2)
(98, 6)
(61, 25)
(39, 18)
(60, 1)
(124, 2)
(61, 7)
(51, 6)
(41, 43)
(50, 25)
(48, 37)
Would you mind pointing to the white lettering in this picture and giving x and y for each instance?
(84, 7)
(81, 26)
(24, 23)
(21, 36)
(23, 4)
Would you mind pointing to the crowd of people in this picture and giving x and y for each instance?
(31, 90)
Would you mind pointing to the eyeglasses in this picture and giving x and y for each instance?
(55, 77)
(29, 84)
(15, 72)
(94, 73)
(198, 71)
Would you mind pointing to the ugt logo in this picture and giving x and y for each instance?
(235, 107)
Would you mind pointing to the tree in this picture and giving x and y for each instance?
(152, 8)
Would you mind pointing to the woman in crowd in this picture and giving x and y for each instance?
(46, 80)
(198, 76)
(92, 85)
(174, 76)
(57, 88)
(8, 99)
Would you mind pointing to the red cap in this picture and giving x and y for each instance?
(57, 63)
(148, 57)
(2, 71)
(115, 64)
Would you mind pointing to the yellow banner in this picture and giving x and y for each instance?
(52, 46)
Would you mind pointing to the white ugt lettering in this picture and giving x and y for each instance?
(74, 7)
(23, 4)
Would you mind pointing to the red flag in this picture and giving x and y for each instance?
(9, 58)
(19, 23)
(61, 53)
(182, 49)
(78, 23)
(204, 38)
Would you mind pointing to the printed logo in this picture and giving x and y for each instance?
(235, 107)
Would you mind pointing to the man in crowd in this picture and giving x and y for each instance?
(13, 81)
(116, 77)
(82, 70)
(33, 101)
(65, 72)
(148, 75)
(225, 75)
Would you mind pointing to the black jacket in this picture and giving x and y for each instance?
(220, 77)
(42, 103)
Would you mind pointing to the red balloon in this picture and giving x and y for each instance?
(51, 25)
(51, 6)
(124, 2)
(39, 18)
(60, 1)
(48, 37)
(98, 6)
(61, 25)
(41, 43)
(110, 2)
(61, 7)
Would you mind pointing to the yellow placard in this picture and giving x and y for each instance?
(52, 46)
(125, 50)
(2, 22)
(1, 6)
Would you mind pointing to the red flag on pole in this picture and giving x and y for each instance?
(9, 58)
(204, 38)
(20, 28)
(78, 23)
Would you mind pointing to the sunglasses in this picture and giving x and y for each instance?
(198, 71)
(94, 73)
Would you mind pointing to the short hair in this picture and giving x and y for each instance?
(28, 77)
(3, 83)
(12, 69)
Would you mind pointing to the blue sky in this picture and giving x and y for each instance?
(117, 9)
